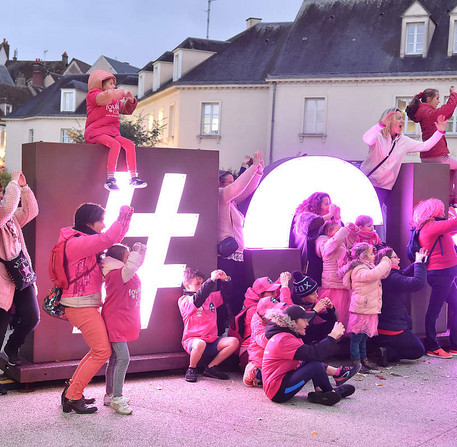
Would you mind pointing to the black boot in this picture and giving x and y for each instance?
(77, 405)
(89, 401)
(2, 389)
(13, 355)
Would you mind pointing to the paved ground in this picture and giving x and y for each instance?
(412, 404)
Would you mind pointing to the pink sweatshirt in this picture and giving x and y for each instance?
(230, 220)
(12, 219)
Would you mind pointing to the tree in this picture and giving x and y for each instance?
(132, 129)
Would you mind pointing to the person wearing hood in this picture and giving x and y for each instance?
(363, 278)
(254, 340)
(83, 298)
(18, 206)
(288, 364)
(104, 103)
(121, 313)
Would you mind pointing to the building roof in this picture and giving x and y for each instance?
(16, 67)
(360, 38)
(5, 77)
(196, 43)
(47, 103)
(121, 67)
(168, 56)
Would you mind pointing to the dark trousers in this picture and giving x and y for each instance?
(358, 346)
(402, 346)
(443, 290)
(383, 197)
(294, 381)
(28, 317)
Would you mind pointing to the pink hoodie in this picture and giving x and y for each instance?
(104, 107)
(81, 254)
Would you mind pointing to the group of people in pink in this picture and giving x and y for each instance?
(283, 332)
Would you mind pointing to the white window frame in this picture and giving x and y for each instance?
(141, 80)
(70, 105)
(177, 65)
(315, 130)
(407, 100)
(156, 77)
(416, 50)
(211, 133)
(30, 135)
(416, 14)
(151, 121)
(451, 128)
(171, 121)
(452, 42)
(64, 138)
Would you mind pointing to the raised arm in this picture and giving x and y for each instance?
(379, 272)
(134, 261)
(29, 206)
(108, 96)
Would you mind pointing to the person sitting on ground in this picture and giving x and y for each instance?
(198, 309)
(262, 287)
(256, 340)
(396, 340)
(288, 363)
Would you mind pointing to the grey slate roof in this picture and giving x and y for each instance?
(47, 103)
(196, 43)
(5, 77)
(122, 67)
(166, 57)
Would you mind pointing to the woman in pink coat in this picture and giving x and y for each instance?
(364, 280)
(12, 218)
(423, 109)
(83, 298)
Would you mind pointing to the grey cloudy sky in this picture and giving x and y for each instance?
(134, 31)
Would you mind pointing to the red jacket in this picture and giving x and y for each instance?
(427, 237)
(426, 115)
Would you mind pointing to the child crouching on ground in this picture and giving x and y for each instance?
(257, 340)
(121, 312)
(288, 363)
(198, 309)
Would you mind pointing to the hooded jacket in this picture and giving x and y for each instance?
(104, 107)
(12, 219)
(426, 115)
(81, 255)
(365, 282)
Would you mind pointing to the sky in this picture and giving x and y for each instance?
(134, 31)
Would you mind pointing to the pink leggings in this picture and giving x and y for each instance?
(115, 144)
(90, 322)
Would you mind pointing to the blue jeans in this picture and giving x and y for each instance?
(402, 346)
(358, 346)
(443, 290)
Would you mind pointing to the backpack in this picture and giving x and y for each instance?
(414, 245)
(57, 264)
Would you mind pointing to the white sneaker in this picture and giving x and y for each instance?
(108, 397)
(119, 405)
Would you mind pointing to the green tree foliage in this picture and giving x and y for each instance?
(134, 130)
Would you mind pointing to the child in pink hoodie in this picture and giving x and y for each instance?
(121, 312)
(104, 104)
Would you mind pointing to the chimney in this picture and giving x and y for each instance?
(6, 46)
(38, 74)
(65, 58)
(15, 55)
(252, 21)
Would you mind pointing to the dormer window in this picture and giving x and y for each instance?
(452, 43)
(156, 78)
(416, 31)
(141, 85)
(67, 100)
(177, 65)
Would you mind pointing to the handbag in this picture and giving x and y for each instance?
(20, 271)
(227, 247)
(51, 303)
(52, 306)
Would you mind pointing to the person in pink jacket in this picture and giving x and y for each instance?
(12, 218)
(364, 280)
(104, 103)
(257, 341)
(83, 298)
(423, 109)
(435, 229)
(230, 225)
(121, 313)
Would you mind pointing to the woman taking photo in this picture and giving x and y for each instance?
(428, 217)
(82, 299)
(423, 109)
(395, 338)
(12, 218)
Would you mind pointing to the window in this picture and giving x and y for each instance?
(177, 65)
(415, 38)
(451, 127)
(160, 117)
(67, 100)
(156, 77)
(30, 135)
(452, 41)
(210, 118)
(151, 121)
(171, 121)
(64, 136)
(410, 127)
(141, 85)
(314, 116)
(7, 108)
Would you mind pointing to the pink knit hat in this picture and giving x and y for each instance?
(97, 77)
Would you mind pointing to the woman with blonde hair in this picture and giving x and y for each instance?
(428, 217)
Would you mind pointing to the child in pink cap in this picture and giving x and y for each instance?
(104, 103)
